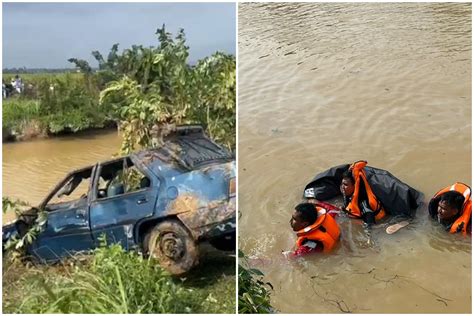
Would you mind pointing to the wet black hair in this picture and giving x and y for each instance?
(453, 199)
(348, 175)
(308, 212)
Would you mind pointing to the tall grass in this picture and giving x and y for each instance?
(116, 282)
(35, 78)
(55, 103)
(16, 111)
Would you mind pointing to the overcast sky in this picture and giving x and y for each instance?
(45, 35)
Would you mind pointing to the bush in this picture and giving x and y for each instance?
(254, 296)
(112, 281)
(63, 103)
(69, 103)
(16, 111)
(160, 88)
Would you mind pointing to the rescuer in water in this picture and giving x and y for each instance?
(316, 229)
(452, 207)
(359, 200)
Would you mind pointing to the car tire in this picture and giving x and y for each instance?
(224, 243)
(171, 244)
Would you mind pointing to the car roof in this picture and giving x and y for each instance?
(186, 147)
(183, 148)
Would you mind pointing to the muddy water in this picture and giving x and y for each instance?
(31, 169)
(325, 84)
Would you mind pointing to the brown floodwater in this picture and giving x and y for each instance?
(322, 84)
(31, 169)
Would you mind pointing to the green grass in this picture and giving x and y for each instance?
(57, 103)
(36, 77)
(115, 281)
(15, 111)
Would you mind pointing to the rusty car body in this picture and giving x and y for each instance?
(184, 194)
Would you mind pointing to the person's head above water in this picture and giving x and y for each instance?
(347, 184)
(305, 214)
(450, 206)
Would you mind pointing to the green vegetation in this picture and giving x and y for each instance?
(21, 119)
(139, 89)
(68, 104)
(53, 105)
(254, 293)
(111, 280)
(159, 87)
(143, 91)
(115, 281)
(33, 81)
(17, 245)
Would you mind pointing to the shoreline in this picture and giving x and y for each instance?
(10, 136)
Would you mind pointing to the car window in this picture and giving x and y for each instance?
(135, 180)
(121, 177)
(75, 188)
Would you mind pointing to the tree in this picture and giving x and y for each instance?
(158, 87)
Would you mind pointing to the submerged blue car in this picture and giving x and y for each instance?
(161, 201)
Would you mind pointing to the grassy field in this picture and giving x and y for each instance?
(34, 78)
(113, 281)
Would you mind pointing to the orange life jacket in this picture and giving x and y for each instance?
(460, 224)
(360, 178)
(324, 230)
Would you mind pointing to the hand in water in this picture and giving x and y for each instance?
(265, 261)
(368, 233)
(258, 261)
(286, 254)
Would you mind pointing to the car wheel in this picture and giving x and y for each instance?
(171, 244)
(224, 243)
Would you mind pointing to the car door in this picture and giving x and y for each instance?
(67, 229)
(115, 216)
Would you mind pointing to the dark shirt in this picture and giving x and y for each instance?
(367, 214)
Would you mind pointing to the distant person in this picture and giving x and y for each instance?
(18, 84)
(452, 208)
(8, 90)
(316, 229)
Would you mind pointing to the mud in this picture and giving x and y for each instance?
(184, 203)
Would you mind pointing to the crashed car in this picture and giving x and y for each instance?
(162, 201)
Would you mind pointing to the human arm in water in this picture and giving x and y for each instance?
(332, 210)
(305, 249)
(368, 215)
